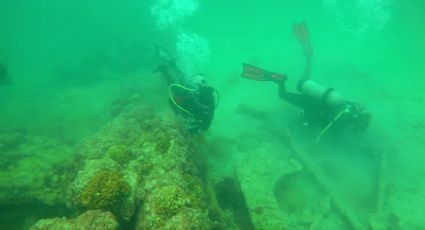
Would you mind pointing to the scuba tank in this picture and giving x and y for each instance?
(327, 95)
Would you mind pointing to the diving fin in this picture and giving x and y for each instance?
(303, 36)
(301, 32)
(259, 74)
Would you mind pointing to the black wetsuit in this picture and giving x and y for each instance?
(317, 113)
(205, 107)
(197, 106)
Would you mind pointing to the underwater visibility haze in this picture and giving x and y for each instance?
(191, 114)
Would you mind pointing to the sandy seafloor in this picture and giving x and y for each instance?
(71, 63)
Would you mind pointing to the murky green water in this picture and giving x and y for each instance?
(71, 67)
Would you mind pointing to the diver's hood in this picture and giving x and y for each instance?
(199, 80)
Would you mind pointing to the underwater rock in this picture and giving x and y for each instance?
(140, 168)
(139, 156)
(178, 198)
(33, 169)
(124, 146)
(257, 178)
(93, 219)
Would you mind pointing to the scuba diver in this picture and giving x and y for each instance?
(322, 107)
(195, 103)
(4, 79)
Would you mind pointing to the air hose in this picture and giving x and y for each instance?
(343, 111)
(170, 94)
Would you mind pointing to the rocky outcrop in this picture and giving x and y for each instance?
(89, 220)
(141, 156)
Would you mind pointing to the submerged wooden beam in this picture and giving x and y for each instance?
(318, 176)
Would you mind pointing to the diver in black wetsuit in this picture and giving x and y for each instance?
(197, 103)
(322, 107)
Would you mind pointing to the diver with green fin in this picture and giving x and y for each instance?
(322, 107)
(195, 102)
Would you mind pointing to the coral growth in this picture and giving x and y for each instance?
(169, 200)
(119, 153)
(174, 207)
(107, 190)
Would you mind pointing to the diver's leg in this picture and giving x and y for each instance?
(296, 99)
(302, 34)
(307, 67)
(166, 73)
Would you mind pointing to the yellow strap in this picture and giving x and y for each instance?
(172, 98)
(345, 110)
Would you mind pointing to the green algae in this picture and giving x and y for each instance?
(106, 190)
(169, 200)
(120, 154)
